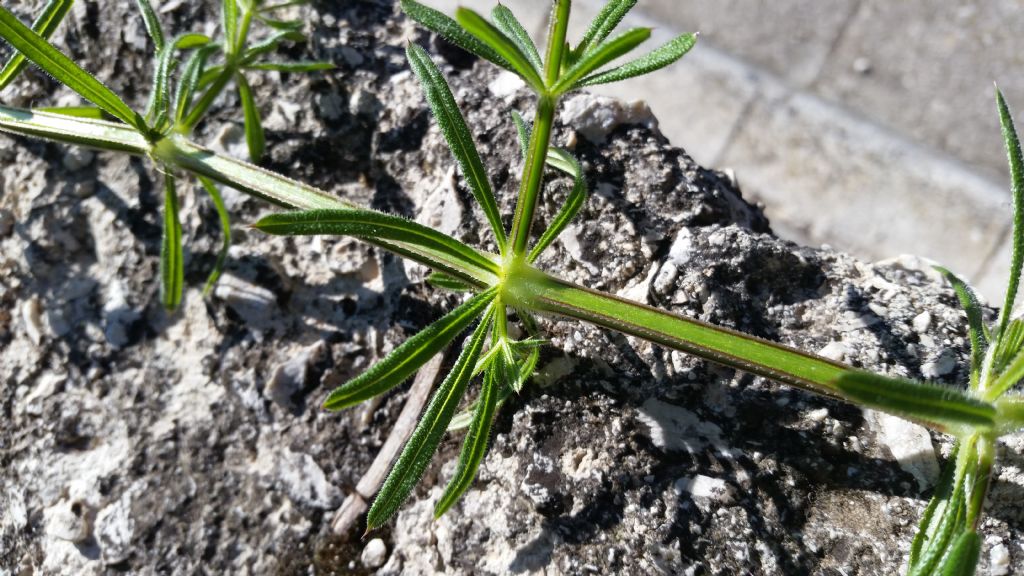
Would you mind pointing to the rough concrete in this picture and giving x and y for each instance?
(141, 442)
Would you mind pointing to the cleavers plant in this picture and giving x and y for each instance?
(508, 282)
(173, 106)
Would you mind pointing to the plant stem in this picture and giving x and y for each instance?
(541, 292)
(98, 134)
(233, 56)
(533, 169)
(533, 175)
(206, 100)
(179, 152)
(984, 450)
(556, 41)
(243, 35)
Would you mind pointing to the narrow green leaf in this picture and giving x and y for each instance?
(406, 359)
(447, 282)
(972, 307)
(372, 225)
(1009, 344)
(941, 405)
(74, 111)
(1010, 417)
(45, 25)
(1008, 378)
(160, 97)
(175, 150)
(457, 135)
(949, 523)
(266, 46)
(225, 230)
(209, 75)
(522, 132)
(654, 60)
(190, 40)
(56, 64)
(528, 367)
(451, 31)
(557, 158)
(212, 91)
(484, 31)
(229, 24)
(603, 24)
(422, 444)
(606, 52)
(463, 419)
(507, 22)
(475, 445)
(962, 558)
(189, 81)
(577, 198)
(294, 67)
(1016, 161)
(73, 130)
(290, 26)
(152, 22)
(172, 263)
(254, 136)
(929, 521)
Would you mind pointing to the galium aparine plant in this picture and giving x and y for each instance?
(508, 282)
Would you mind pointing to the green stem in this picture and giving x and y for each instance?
(556, 41)
(243, 34)
(533, 175)
(535, 290)
(985, 449)
(282, 191)
(206, 100)
(98, 134)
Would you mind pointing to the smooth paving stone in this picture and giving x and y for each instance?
(698, 101)
(991, 281)
(826, 177)
(791, 38)
(926, 70)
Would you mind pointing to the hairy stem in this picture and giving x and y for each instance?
(984, 451)
(541, 292)
(533, 175)
(556, 41)
(206, 100)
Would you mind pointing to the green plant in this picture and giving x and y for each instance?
(173, 107)
(510, 282)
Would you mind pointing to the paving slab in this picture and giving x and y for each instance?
(791, 38)
(927, 69)
(869, 191)
(991, 281)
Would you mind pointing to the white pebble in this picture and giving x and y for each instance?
(834, 351)
(999, 560)
(375, 554)
(922, 322)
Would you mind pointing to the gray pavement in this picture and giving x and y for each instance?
(868, 125)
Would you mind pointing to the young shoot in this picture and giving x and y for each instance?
(172, 106)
